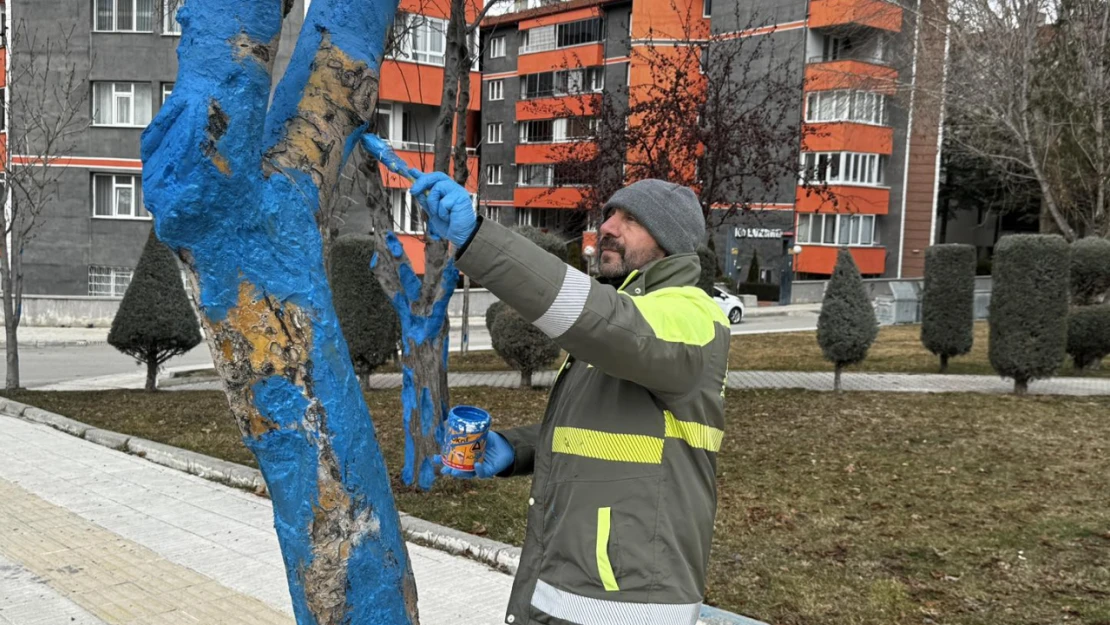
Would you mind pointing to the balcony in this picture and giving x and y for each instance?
(865, 74)
(872, 13)
(821, 259)
(585, 105)
(548, 197)
(585, 55)
(844, 199)
(848, 137)
(422, 159)
(420, 83)
(545, 153)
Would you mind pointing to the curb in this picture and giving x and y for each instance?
(59, 343)
(497, 555)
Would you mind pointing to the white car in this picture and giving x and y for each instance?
(732, 305)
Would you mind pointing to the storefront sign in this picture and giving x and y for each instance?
(758, 233)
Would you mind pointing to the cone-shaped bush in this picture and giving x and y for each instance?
(948, 301)
(366, 316)
(847, 326)
(492, 312)
(155, 321)
(1089, 335)
(549, 242)
(1090, 270)
(1029, 307)
(521, 345)
(708, 260)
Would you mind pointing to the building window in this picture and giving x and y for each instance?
(419, 38)
(497, 89)
(493, 174)
(118, 196)
(492, 213)
(862, 107)
(820, 229)
(493, 133)
(538, 39)
(562, 82)
(707, 9)
(407, 217)
(3, 101)
(497, 47)
(124, 16)
(537, 131)
(534, 175)
(167, 89)
(108, 281)
(845, 168)
(170, 25)
(557, 219)
(121, 104)
(545, 38)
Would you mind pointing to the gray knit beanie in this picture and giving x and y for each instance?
(670, 212)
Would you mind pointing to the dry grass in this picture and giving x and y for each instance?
(898, 349)
(857, 509)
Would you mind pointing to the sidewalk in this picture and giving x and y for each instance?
(739, 380)
(101, 537)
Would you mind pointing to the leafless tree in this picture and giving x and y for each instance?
(1028, 88)
(717, 113)
(47, 100)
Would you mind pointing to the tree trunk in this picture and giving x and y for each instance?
(248, 233)
(11, 329)
(152, 373)
(1021, 387)
(364, 382)
(836, 377)
(525, 379)
(944, 363)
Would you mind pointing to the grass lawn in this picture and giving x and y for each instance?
(852, 509)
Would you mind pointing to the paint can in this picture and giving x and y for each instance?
(465, 440)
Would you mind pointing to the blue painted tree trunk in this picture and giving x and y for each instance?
(234, 185)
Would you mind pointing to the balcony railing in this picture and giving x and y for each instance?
(861, 58)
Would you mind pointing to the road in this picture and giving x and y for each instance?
(40, 366)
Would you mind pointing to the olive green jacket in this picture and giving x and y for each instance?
(623, 499)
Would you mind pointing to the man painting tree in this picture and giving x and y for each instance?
(234, 184)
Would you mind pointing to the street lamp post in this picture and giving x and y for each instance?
(786, 284)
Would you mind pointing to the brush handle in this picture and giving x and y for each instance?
(379, 149)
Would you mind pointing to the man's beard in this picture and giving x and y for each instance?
(627, 263)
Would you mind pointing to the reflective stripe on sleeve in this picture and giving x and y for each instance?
(568, 304)
(693, 434)
(586, 611)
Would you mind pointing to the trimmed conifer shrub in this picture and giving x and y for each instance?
(366, 316)
(550, 243)
(521, 345)
(1029, 307)
(155, 321)
(708, 276)
(1090, 271)
(846, 327)
(948, 301)
(491, 313)
(1089, 335)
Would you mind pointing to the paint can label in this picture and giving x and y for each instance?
(465, 439)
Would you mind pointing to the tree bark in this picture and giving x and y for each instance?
(944, 363)
(836, 377)
(526, 379)
(152, 372)
(235, 185)
(11, 332)
(1021, 387)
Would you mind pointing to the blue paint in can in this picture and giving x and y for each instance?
(465, 442)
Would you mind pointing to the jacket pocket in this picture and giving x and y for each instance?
(604, 565)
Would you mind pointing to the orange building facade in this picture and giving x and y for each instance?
(544, 68)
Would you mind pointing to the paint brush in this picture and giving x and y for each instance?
(379, 149)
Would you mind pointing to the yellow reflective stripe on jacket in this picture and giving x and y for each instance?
(604, 567)
(607, 446)
(694, 434)
(681, 314)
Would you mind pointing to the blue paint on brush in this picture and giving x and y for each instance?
(379, 149)
(374, 260)
(204, 184)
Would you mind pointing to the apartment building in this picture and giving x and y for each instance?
(94, 230)
(855, 67)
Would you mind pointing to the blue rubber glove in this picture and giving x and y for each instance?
(499, 456)
(450, 212)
